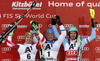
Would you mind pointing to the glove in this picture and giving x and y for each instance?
(11, 33)
(53, 20)
(94, 22)
(58, 20)
(11, 25)
(42, 59)
(35, 27)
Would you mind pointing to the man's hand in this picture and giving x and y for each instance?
(35, 27)
(94, 22)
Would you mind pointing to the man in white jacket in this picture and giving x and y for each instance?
(27, 51)
(51, 47)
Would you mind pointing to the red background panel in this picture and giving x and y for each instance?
(70, 16)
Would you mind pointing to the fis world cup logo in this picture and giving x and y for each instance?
(4, 49)
(17, 5)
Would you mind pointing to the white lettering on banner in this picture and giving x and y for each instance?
(17, 5)
(4, 49)
(96, 4)
(31, 16)
(97, 49)
(71, 52)
(98, 25)
(22, 26)
(20, 4)
(67, 26)
(50, 26)
(21, 37)
(40, 25)
(83, 26)
(28, 15)
(78, 4)
(35, 16)
(4, 26)
(6, 60)
(97, 59)
(49, 16)
(97, 38)
(17, 15)
(61, 4)
(84, 36)
(85, 49)
(85, 59)
(0, 15)
(7, 15)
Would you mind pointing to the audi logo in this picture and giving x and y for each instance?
(68, 25)
(98, 25)
(6, 49)
(84, 36)
(85, 59)
(98, 36)
(86, 48)
(97, 48)
(5, 25)
(20, 37)
(6, 60)
(50, 26)
(97, 59)
(40, 25)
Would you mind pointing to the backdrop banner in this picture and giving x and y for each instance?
(72, 13)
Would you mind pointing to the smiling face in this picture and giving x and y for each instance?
(49, 36)
(73, 34)
(28, 37)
